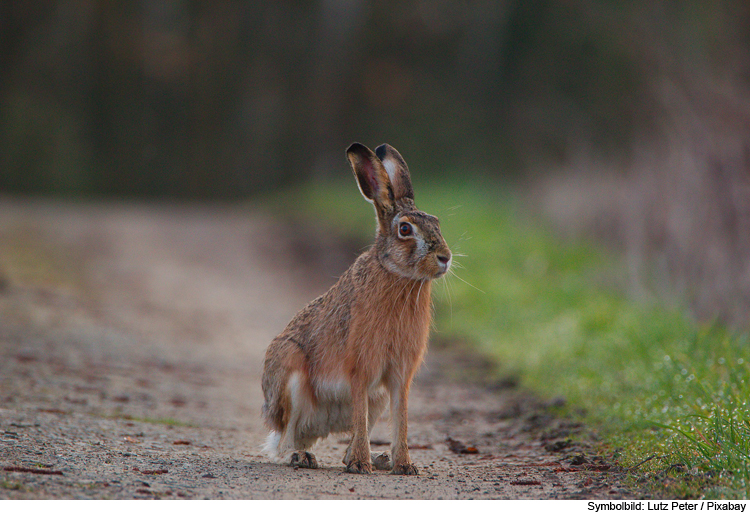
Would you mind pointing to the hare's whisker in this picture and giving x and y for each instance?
(447, 288)
(467, 283)
(421, 283)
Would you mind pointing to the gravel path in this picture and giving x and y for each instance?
(131, 345)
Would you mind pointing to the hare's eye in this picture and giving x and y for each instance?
(404, 229)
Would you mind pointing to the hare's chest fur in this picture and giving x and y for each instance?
(389, 329)
(384, 346)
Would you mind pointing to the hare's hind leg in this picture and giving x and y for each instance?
(293, 440)
(302, 458)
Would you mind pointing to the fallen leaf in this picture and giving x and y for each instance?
(460, 448)
(558, 446)
(578, 460)
(525, 483)
(53, 411)
(36, 471)
(151, 471)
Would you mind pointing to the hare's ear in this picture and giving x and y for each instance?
(372, 178)
(397, 171)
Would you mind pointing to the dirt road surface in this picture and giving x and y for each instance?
(131, 347)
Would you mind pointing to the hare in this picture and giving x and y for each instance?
(346, 354)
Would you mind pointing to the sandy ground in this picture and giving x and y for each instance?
(131, 347)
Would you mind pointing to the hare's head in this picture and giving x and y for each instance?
(408, 241)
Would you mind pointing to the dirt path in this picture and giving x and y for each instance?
(131, 345)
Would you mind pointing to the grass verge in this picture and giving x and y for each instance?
(657, 386)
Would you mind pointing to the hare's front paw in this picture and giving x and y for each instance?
(361, 467)
(303, 459)
(405, 469)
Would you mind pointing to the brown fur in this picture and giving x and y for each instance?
(365, 337)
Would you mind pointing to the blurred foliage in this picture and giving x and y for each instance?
(180, 98)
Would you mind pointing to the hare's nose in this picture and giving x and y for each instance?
(444, 262)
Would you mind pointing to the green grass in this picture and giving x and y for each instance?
(654, 384)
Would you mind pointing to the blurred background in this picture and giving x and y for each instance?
(627, 121)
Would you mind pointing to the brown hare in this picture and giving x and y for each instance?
(346, 354)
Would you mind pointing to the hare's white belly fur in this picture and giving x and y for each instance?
(309, 421)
